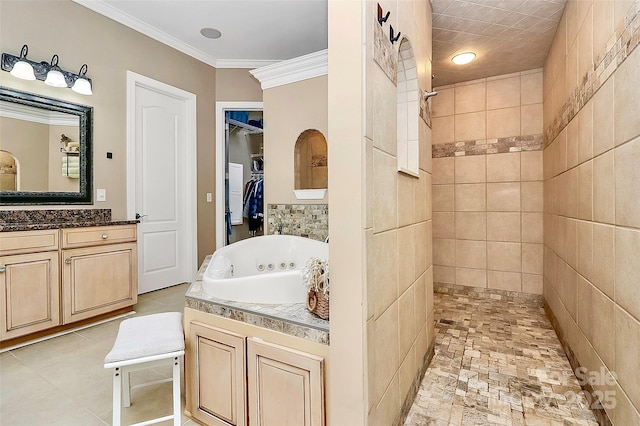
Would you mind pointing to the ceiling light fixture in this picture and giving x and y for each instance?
(51, 74)
(463, 58)
(210, 33)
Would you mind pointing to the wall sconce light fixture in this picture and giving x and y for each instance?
(51, 74)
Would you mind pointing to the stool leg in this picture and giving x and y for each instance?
(126, 385)
(177, 417)
(117, 396)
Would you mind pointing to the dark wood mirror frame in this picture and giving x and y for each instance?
(85, 116)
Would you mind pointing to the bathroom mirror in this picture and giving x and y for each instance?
(45, 150)
(311, 161)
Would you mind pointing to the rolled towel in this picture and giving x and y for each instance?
(71, 160)
(74, 175)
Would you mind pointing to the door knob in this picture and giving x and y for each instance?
(140, 216)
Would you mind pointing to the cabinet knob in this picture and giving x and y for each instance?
(68, 261)
(105, 236)
(3, 268)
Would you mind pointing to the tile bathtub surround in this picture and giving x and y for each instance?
(303, 220)
(293, 319)
(591, 187)
(497, 362)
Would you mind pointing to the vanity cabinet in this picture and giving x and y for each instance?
(285, 385)
(239, 380)
(99, 271)
(29, 282)
(218, 376)
(52, 278)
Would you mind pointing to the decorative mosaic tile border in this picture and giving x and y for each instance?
(628, 38)
(383, 52)
(489, 293)
(488, 146)
(302, 220)
(596, 407)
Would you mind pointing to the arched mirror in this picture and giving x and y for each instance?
(8, 171)
(311, 171)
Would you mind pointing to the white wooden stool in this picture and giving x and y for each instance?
(144, 342)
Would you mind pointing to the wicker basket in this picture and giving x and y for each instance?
(318, 304)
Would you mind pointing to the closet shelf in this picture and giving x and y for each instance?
(248, 128)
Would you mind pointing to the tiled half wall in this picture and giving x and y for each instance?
(303, 220)
(488, 183)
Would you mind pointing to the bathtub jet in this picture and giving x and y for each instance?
(265, 269)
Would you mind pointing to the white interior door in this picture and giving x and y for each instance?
(164, 175)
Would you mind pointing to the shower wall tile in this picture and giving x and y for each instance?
(627, 270)
(627, 182)
(444, 225)
(503, 196)
(470, 197)
(470, 97)
(531, 165)
(443, 198)
(503, 123)
(592, 209)
(509, 281)
(470, 169)
(495, 163)
(503, 167)
(532, 228)
(443, 170)
(470, 225)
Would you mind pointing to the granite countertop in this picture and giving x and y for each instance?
(293, 319)
(8, 227)
(30, 220)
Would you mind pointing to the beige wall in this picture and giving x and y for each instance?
(29, 143)
(110, 49)
(592, 183)
(235, 84)
(288, 111)
(487, 209)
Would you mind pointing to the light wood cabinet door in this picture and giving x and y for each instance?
(217, 375)
(98, 280)
(286, 387)
(30, 287)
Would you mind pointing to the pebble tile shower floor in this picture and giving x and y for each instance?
(497, 363)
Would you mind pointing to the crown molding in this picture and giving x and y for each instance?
(244, 63)
(35, 115)
(105, 9)
(292, 70)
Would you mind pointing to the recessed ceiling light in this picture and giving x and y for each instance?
(463, 58)
(210, 33)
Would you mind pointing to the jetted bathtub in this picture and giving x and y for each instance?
(265, 269)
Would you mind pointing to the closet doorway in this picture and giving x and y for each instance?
(239, 172)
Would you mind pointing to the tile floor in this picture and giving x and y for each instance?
(62, 381)
(497, 363)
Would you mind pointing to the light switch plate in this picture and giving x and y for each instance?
(209, 197)
(101, 195)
